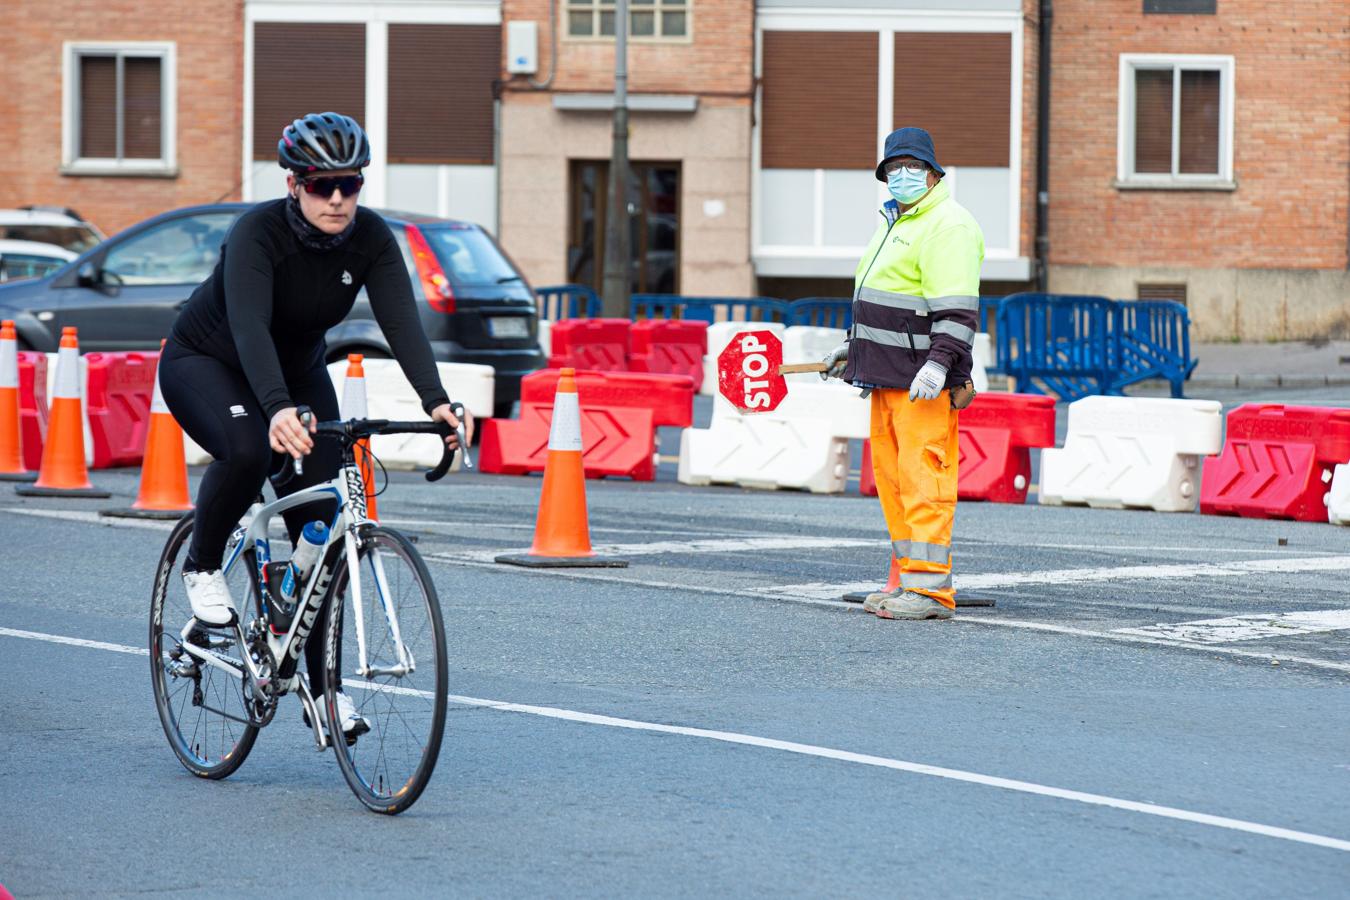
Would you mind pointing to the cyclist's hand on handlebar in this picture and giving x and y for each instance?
(444, 414)
(287, 435)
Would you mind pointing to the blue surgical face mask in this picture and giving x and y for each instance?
(906, 186)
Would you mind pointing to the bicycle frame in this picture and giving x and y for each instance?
(348, 488)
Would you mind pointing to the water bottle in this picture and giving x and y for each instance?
(312, 539)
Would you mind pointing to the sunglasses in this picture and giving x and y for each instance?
(324, 185)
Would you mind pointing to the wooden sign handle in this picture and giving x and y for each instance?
(797, 368)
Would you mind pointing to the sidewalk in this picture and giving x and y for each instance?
(1267, 365)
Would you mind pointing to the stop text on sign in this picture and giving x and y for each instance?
(755, 367)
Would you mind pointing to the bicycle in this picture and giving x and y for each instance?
(216, 688)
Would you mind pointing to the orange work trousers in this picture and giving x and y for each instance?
(914, 457)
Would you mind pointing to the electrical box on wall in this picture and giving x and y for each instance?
(522, 48)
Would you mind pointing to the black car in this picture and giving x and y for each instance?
(125, 293)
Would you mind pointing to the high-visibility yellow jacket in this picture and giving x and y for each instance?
(916, 294)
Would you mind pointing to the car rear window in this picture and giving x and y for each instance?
(14, 266)
(75, 238)
(467, 255)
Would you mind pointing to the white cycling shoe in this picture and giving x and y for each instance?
(210, 597)
(353, 723)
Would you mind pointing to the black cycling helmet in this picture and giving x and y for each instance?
(323, 142)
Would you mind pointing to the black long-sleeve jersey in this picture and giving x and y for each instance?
(265, 308)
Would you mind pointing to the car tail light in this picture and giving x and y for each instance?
(434, 283)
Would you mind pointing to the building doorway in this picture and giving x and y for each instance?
(654, 234)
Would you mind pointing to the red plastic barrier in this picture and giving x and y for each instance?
(117, 403)
(996, 434)
(600, 344)
(669, 397)
(32, 407)
(615, 441)
(1277, 462)
(670, 346)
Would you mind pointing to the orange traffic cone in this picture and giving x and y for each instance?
(11, 431)
(562, 537)
(63, 472)
(164, 481)
(354, 407)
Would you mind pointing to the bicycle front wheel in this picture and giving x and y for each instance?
(400, 695)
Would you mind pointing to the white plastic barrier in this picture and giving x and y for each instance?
(719, 335)
(763, 452)
(546, 336)
(390, 396)
(982, 359)
(807, 343)
(1132, 452)
(1338, 501)
(841, 407)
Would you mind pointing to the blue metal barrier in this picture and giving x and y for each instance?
(1057, 344)
(821, 312)
(1075, 346)
(1151, 339)
(708, 309)
(566, 301)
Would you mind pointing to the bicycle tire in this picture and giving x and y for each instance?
(173, 696)
(381, 789)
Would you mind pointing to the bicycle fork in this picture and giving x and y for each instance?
(406, 665)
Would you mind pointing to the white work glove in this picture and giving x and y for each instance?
(929, 382)
(835, 362)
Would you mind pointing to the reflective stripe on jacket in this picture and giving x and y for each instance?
(917, 294)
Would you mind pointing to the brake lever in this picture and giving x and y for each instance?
(306, 417)
(448, 455)
(458, 410)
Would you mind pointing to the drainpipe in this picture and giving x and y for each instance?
(1044, 25)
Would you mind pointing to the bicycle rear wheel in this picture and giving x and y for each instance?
(202, 708)
(389, 766)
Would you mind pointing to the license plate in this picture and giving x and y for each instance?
(508, 326)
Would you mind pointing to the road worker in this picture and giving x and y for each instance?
(915, 311)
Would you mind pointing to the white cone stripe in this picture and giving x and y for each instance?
(354, 398)
(157, 404)
(9, 364)
(565, 432)
(67, 375)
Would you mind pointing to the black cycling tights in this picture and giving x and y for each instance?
(218, 410)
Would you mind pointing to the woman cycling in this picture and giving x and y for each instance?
(248, 349)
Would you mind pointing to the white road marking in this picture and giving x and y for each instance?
(90, 518)
(723, 545)
(899, 765)
(987, 580)
(980, 543)
(1247, 628)
(73, 642)
(836, 604)
(1156, 642)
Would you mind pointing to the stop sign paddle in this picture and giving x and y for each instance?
(750, 371)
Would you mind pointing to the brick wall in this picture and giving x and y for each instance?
(718, 60)
(210, 51)
(1291, 139)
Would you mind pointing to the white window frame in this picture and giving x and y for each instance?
(1130, 63)
(570, 6)
(817, 261)
(71, 162)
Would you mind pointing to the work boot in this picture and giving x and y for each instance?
(873, 601)
(911, 605)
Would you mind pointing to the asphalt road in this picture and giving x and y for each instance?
(713, 719)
